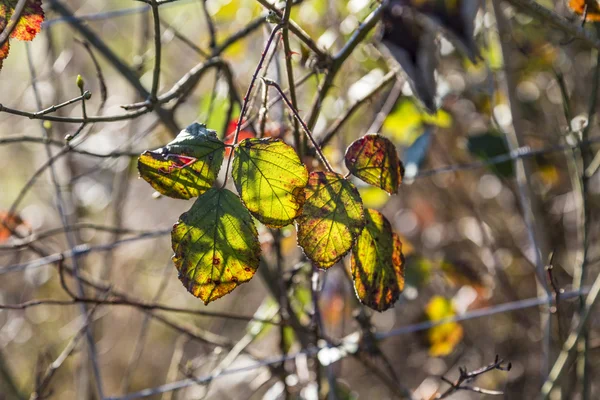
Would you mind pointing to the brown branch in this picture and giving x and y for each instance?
(467, 377)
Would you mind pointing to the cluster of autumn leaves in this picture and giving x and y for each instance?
(27, 27)
(216, 242)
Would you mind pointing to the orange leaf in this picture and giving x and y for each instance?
(230, 135)
(4, 52)
(30, 22)
(8, 223)
(593, 9)
(28, 26)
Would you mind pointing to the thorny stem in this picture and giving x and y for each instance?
(290, 72)
(247, 97)
(304, 127)
(338, 60)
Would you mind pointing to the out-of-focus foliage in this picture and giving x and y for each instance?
(445, 337)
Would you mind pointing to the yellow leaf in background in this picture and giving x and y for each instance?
(405, 123)
(445, 337)
(493, 53)
(549, 175)
(373, 197)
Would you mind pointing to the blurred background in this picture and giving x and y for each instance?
(459, 211)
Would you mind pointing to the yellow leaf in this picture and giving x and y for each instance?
(445, 337)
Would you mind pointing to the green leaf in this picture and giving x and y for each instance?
(373, 158)
(270, 179)
(377, 263)
(407, 122)
(331, 219)
(216, 245)
(488, 145)
(186, 167)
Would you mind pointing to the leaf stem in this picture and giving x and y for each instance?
(247, 96)
(270, 82)
(290, 72)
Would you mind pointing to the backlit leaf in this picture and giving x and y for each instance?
(4, 51)
(30, 22)
(28, 26)
(270, 179)
(186, 167)
(216, 245)
(373, 159)
(331, 219)
(377, 263)
(372, 196)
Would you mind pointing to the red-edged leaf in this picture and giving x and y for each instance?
(4, 52)
(373, 159)
(28, 25)
(186, 167)
(30, 22)
(331, 220)
(377, 263)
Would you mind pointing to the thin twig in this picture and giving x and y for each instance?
(540, 12)
(287, 54)
(466, 377)
(302, 123)
(564, 359)
(247, 96)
